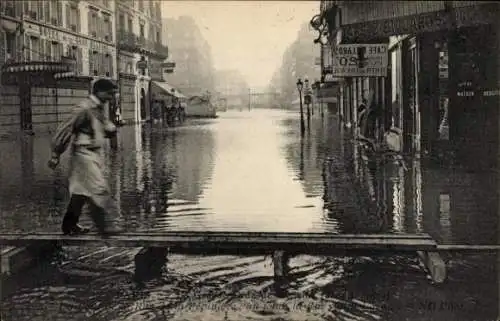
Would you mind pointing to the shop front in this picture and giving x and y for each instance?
(167, 103)
(36, 92)
(439, 92)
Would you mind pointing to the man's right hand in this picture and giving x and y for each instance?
(53, 162)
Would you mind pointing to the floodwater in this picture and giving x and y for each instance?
(251, 171)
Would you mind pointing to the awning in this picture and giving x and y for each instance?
(163, 87)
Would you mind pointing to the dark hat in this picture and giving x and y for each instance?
(104, 84)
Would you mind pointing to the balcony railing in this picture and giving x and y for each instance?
(130, 42)
(127, 41)
(161, 49)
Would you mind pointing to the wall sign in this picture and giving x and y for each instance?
(360, 60)
(425, 22)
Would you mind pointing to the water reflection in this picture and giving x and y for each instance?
(252, 171)
(460, 207)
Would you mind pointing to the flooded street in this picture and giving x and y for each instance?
(251, 171)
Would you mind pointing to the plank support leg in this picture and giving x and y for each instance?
(149, 263)
(434, 264)
(281, 269)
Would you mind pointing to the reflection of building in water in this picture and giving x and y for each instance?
(398, 201)
(138, 158)
(460, 207)
(418, 198)
(191, 155)
(306, 157)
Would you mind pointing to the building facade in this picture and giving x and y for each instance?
(442, 73)
(194, 73)
(50, 50)
(141, 52)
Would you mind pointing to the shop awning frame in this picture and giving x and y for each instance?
(168, 89)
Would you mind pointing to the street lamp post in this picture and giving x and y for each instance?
(300, 85)
(307, 100)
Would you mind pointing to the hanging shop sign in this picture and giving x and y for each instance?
(168, 67)
(360, 60)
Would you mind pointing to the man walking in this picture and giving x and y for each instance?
(86, 131)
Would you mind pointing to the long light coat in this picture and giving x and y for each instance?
(86, 131)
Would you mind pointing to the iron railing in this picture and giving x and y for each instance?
(129, 41)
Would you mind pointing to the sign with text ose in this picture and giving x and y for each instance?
(360, 60)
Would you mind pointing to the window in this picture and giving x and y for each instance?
(151, 32)
(158, 37)
(54, 12)
(93, 23)
(40, 10)
(107, 28)
(8, 8)
(158, 10)
(48, 48)
(94, 62)
(141, 30)
(130, 25)
(72, 18)
(121, 21)
(10, 45)
(72, 50)
(56, 51)
(108, 62)
(33, 49)
(31, 9)
(47, 12)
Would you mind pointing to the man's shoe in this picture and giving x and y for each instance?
(75, 230)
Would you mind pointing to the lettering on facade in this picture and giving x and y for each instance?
(490, 93)
(465, 94)
(63, 37)
(486, 13)
(427, 22)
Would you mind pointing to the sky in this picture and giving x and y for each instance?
(249, 36)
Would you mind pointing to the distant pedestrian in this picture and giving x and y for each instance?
(86, 131)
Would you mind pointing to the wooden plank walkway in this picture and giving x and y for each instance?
(238, 242)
